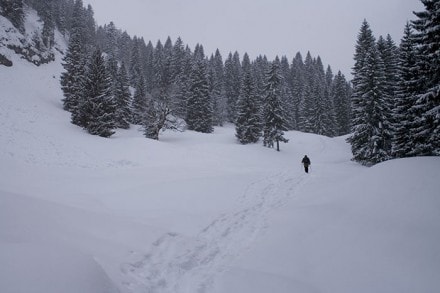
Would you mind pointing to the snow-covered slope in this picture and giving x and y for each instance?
(28, 44)
(376, 230)
(200, 213)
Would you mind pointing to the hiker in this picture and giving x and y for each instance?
(306, 163)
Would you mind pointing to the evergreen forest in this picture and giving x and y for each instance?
(390, 109)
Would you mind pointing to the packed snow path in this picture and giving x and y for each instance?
(177, 263)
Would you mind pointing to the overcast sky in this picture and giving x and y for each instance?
(327, 28)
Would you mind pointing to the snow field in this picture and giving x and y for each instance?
(200, 213)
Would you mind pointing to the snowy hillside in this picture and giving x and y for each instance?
(199, 212)
(28, 44)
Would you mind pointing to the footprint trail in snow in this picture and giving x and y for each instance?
(178, 263)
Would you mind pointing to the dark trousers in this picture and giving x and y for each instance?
(306, 168)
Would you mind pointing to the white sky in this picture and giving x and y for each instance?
(327, 28)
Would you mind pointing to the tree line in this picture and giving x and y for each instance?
(175, 86)
(112, 80)
(396, 91)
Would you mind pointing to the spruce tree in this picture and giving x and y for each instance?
(307, 99)
(274, 118)
(125, 45)
(147, 54)
(158, 66)
(408, 87)
(199, 115)
(180, 100)
(297, 80)
(425, 130)
(177, 77)
(72, 71)
(63, 13)
(232, 83)
(99, 106)
(321, 113)
(329, 105)
(247, 125)
(151, 127)
(286, 93)
(139, 103)
(217, 90)
(74, 63)
(48, 17)
(135, 69)
(369, 136)
(181, 77)
(176, 61)
(122, 97)
(259, 69)
(388, 52)
(341, 101)
(112, 35)
(167, 68)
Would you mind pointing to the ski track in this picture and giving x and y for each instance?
(178, 263)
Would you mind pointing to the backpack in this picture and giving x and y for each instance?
(306, 161)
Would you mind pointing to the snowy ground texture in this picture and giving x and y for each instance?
(201, 213)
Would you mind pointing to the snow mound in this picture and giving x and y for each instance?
(38, 268)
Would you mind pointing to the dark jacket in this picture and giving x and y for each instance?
(306, 161)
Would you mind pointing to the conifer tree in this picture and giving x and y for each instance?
(369, 137)
(47, 15)
(125, 45)
(74, 63)
(217, 90)
(286, 93)
(297, 85)
(260, 68)
(388, 52)
(341, 99)
(274, 118)
(89, 28)
(182, 82)
(122, 97)
(321, 113)
(425, 130)
(98, 107)
(232, 83)
(307, 99)
(247, 125)
(147, 53)
(151, 128)
(112, 67)
(158, 66)
(176, 61)
(199, 115)
(408, 87)
(110, 44)
(167, 73)
(329, 106)
(136, 73)
(139, 103)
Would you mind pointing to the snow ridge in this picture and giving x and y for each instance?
(177, 263)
